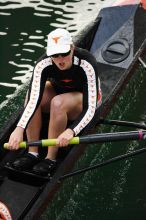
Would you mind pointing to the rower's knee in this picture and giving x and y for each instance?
(57, 104)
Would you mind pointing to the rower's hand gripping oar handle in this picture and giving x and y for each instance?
(42, 143)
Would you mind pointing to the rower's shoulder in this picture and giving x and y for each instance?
(42, 58)
(84, 55)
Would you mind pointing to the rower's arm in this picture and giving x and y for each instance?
(36, 92)
(90, 94)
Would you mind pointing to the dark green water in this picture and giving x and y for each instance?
(117, 191)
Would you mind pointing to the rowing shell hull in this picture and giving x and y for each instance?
(117, 39)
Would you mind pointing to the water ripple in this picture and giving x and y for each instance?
(78, 11)
(9, 85)
(34, 44)
(28, 50)
(28, 67)
(36, 37)
(4, 13)
(26, 70)
(3, 33)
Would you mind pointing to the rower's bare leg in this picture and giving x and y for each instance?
(63, 107)
(34, 127)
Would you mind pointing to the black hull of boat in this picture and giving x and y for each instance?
(117, 39)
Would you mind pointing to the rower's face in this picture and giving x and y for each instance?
(63, 62)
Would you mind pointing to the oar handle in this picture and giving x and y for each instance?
(22, 144)
(42, 143)
(53, 142)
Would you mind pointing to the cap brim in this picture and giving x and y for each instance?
(57, 50)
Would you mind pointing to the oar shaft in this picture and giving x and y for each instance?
(117, 136)
(102, 164)
(122, 123)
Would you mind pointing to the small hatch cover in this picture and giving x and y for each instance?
(116, 51)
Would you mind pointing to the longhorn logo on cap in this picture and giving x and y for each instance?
(56, 39)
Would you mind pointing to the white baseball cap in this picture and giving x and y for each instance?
(59, 41)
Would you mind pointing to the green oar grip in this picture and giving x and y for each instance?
(48, 142)
(23, 144)
(53, 142)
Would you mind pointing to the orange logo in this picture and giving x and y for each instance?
(56, 39)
